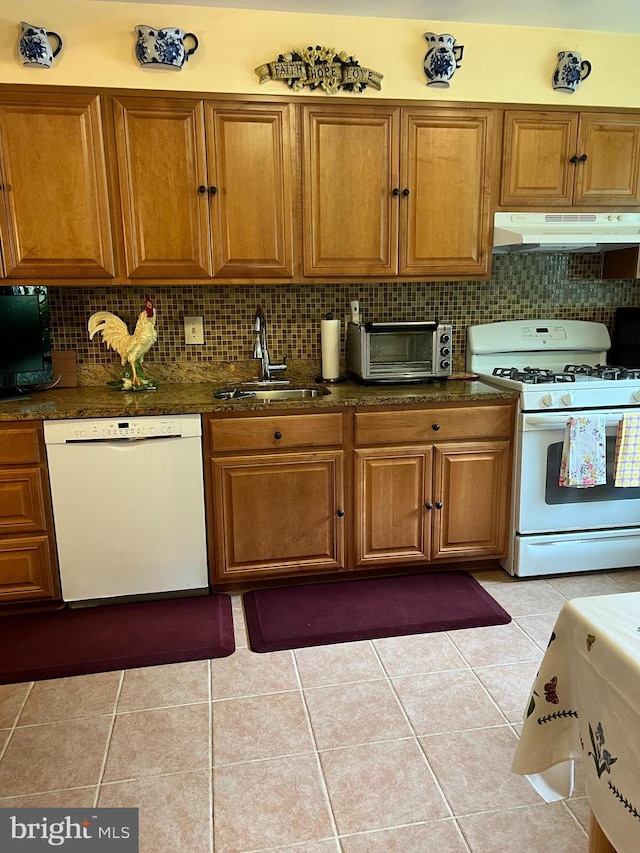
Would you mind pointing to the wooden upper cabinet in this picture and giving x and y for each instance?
(54, 213)
(350, 171)
(249, 150)
(162, 174)
(445, 198)
(564, 159)
(611, 173)
(397, 191)
(206, 188)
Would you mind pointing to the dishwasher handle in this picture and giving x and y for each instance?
(124, 439)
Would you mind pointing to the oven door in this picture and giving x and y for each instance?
(543, 506)
(400, 354)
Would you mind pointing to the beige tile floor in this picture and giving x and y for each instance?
(397, 745)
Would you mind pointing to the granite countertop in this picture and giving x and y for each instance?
(173, 398)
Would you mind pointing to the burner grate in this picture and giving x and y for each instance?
(533, 375)
(603, 371)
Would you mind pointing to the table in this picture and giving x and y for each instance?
(585, 704)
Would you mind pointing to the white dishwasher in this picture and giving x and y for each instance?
(128, 505)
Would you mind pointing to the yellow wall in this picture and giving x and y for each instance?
(500, 63)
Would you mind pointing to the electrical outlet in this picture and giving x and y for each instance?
(194, 330)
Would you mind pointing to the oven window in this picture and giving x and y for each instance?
(400, 348)
(555, 494)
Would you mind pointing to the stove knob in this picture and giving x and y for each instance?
(566, 399)
(546, 401)
(636, 396)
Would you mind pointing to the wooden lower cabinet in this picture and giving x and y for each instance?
(437, 501)
(392, 489)
(279, 514)
(299, 493)
(471, 482)
(28, 565)
(276, 495)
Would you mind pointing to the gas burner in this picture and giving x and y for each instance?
(603, 371)
(533, 375)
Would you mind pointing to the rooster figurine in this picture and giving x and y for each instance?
(130, 348)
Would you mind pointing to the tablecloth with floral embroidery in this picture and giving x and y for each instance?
(585, 704)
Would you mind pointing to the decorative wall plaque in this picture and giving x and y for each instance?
(319, 67)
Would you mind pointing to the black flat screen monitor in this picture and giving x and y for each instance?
(25, 341)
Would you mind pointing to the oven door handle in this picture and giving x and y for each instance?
(559, 422)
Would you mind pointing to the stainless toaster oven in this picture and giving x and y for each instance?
(399, 352)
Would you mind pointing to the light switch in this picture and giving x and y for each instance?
(194, 330)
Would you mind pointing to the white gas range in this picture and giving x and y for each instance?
(559, 369)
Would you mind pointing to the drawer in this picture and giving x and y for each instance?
(275, 431)
(26, 570)
(21, 501)
(397, 427)
(19, 444)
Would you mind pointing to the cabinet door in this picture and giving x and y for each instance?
(278, 514)
(21, 501)
(350, 173)
(610, 173)
(250, 149)
(393, 494)
(446, 172)
(54, 216)
(538, 147)
(471, 499)
(161, 160)
(26, 569)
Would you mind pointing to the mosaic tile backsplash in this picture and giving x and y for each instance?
(553, 286)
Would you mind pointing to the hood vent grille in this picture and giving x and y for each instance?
(570, 217)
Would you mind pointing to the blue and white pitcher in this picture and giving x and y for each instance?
(443, 58)
(164, 46)
(35, 46)
(570, 71)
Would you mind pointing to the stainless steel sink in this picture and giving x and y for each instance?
(271, 395)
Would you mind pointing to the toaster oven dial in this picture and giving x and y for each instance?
(445, 351)
(444, 339)
(445, 365)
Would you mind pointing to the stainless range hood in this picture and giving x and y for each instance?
(565, 232)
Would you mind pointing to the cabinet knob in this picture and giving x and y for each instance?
(583, 158)
(405, 192)
(428, 506)
(202, 189)
(277, 436)
(395, 191)
(435, 427)
(213, 190)
(438, 505)
(340, 513)
(573, 159)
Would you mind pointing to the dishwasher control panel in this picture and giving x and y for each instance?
(109, 429)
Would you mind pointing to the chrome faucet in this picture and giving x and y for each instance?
(261, 351)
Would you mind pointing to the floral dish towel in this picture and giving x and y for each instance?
(584, 462)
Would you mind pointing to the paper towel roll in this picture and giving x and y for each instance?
(330, 338)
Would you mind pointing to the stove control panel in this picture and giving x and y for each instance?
(547, 333)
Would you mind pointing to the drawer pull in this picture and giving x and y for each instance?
(428, 506)
(340, 513)
(277, 436)
(435, 427)
(438, 505)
